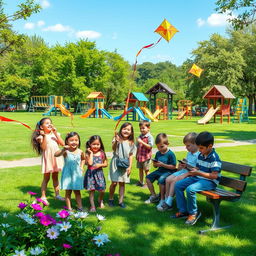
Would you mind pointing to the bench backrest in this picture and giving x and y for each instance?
(238, 184)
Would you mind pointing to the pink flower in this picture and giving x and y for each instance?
(40, 200)
(39, 214)
(32, 193)
(63, 214)
(51, 219)
(36, 207)
(22, 205)
(67, 246)
(45, 221)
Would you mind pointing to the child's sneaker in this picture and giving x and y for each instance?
(139, 184)
(159, 206)
(192, 219)
(59, 197)
(152, 199)
(180, 215)
(166, 207)
(111, 203)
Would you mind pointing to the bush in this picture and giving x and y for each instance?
(35, 233)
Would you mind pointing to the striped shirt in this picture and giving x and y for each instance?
(209, 164)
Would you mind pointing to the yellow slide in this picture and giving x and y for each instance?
(210, 113)
(181, 115)
(150, 115)
(63, 110)
(88, 113)
(157, 112)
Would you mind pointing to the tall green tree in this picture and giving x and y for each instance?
(8, 38)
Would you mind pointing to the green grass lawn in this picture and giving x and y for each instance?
(140, 229)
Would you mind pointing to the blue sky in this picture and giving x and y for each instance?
(125, 26)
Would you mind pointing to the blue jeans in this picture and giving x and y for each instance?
(192, 185)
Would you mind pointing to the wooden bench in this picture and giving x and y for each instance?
(216, 196)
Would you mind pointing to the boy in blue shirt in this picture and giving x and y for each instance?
(165, 161)
(205, 176)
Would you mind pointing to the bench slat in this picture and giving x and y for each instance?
(220, 194)
(236, 184)
(236, 168)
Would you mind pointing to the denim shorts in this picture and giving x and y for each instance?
(180, 172)
(157, 175)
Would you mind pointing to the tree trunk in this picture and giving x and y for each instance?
(250, 97)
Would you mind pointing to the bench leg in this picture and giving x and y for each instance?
(216, 216)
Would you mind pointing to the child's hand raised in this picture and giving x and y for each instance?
(89, 150)
(41, 132)
(117, 138)
(139, 140)
(66, 147)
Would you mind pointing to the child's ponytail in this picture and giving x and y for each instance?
(34, 142)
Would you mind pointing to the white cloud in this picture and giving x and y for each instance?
(88, 34)
(161, 57)
(58, 28)
(114, 36)
(200, 22)
(215, 20)
(29, 25)
(45, 4)
(40, 23)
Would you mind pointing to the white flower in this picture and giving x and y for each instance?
(52, 233)
(36, 251)
(81, 215)
(3, 233)
(23, 215)
(5, 225)
(100, 217)
(30, 220)
(105, 238)
(19, 253)
(4, 214)
(65, 226)
(101, 239)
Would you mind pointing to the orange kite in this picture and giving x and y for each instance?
(195, 70)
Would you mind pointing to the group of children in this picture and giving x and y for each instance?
(199, 171)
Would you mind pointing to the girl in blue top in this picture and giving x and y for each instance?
(94, 178)
(72, 174)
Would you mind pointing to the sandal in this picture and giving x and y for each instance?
(58, 197)
(92, 209)
(45, 201)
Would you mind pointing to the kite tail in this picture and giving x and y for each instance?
(5, 119)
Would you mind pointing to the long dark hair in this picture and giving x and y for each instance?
(131, 137)
(92, 139)
(72, 134)
(34, 142)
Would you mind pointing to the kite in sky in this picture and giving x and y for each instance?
(195, 70)
(167, 31)
(5, 119)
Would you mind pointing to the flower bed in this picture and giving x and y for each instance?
(37, 233)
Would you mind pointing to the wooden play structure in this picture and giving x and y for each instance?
(161, 107)
(184, 109)
(51, 104)
(218, 102)
(136, 106)
(96, 110)
(241, 111)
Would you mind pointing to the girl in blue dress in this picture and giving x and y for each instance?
(94, 179)
(72, 174)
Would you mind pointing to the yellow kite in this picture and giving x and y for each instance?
(166, 30)
(195, 70)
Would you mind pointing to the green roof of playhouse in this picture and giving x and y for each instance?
(139, 96)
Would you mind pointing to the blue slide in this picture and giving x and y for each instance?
(48, 113)
(141, 115)
(105, 112)
(118, 117)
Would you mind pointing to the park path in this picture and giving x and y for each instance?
(37, 160)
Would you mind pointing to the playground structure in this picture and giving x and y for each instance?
(241, 111)
(221, 97)
(136, 106)
(96, 110)
(50, 104)
(184, 109)
(161, 107)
